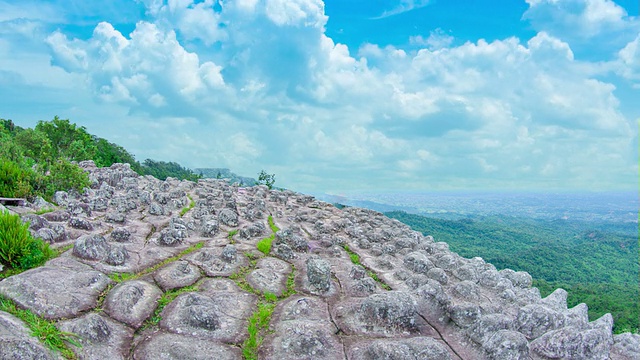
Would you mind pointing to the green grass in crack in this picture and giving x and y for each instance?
(164, 300)
(44, 330)
(291, 284)
(120, 277)
(258, 328)
(231, 234)
(185, 209)
(355, 259)
(264, 245)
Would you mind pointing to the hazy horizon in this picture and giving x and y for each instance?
(339, 96)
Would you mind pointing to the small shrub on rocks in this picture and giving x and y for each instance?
(18, 249)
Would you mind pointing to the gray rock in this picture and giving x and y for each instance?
(626, 346)
(178, 274)
(115, 217)
(571, 343)
(228, 217)
(318, 274)
(100, 337)
(80, 223)
(76, 208)
(167, 346)
(132, 302)
(209, 227)
(156, 209)
(229, 254)
(36, 222)
(91, 247)
(16, 343)
(535, 320)
(117, 255)
(507, 345)
(120, 234)
(55, 293)
(439, 275)
(417, 348)
(221, 315)
(58, 216)
(518, 278)
(464, 314)
(393, 310)
(418, 262)
(483, 329)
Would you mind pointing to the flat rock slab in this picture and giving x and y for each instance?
(55, 293)
(302, 330)
(219, 315)
(100, 337)
(417, 348)
(16, 343)
(212, 262)
(132, 302)
(388, 314)
(168, 346)
(178, 274)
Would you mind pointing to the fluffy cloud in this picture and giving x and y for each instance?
(263, 79)
(584, 23)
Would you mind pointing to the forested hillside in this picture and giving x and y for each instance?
(39, 161)
(596, 262)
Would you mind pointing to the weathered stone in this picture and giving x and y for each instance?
(55, 293)
(483, 328)
(91, 247)
(571, 343)
(229, 253)
(417, 348)
(16, 343)
(535, 320)
(228, 217)
(418, 262)
(178, 274)
(507, 345)
(167, 346)
(318, 274)
(132, 302)
(35, 222)
(80, 223)
(117, 255)
(626, 346)
(518, 278)
(439, 275)
(156, 209)
(100, 337)
(390, 311)
(115, 217)
(120, 234)
(57, 216)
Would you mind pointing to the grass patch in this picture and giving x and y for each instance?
(272, 225)
(44, 330)
(264, 245)
(231, 234)
(291, 284)
(240, 278)
(186, 209)
(44, 211)
(258, 327)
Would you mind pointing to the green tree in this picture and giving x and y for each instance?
(68, 140)
(34, 144)
(266, 179)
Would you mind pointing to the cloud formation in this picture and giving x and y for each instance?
(255, 84)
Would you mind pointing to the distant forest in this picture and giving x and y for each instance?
(597, 263)
(39, 161)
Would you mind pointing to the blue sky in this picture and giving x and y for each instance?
(342, 95)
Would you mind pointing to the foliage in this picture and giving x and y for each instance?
(63, 175)
(45, 330)
(264, 245)
(109, 153)
(266, 179)
(597, 260)
(15, 180)
(68, 141)
(186, 209)
(162, 170)
(18, 250)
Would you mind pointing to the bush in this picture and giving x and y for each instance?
(18, 249)
(15, 181)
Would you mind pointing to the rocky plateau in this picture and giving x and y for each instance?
(171, 270)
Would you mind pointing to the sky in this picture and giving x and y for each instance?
(343, 95)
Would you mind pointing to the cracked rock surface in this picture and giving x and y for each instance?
(140, 280)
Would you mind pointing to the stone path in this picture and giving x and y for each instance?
(171, 270)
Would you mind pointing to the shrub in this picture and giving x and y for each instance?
(18, 250)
